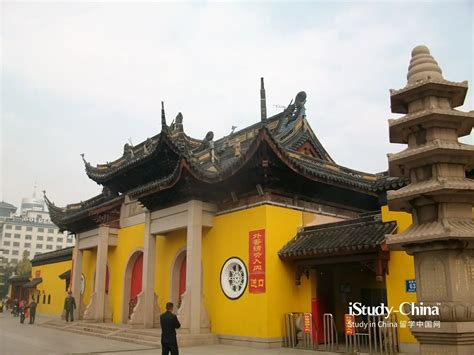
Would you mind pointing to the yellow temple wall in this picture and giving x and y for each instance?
(51, 285)
(401, 268)
(88, 269)
(167, 248)
(129, 240)
(253, 315)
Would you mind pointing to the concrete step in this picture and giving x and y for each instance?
(147, 337)
(98, 326)
(127, 335)
(198, 339)
(154, 344)
(85, 329)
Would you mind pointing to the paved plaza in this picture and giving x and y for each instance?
(16, 338)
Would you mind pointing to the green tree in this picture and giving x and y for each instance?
(24, 266)
(7, 271)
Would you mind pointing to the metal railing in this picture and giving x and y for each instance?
(331, 338)
(299, 331)
(380, 336)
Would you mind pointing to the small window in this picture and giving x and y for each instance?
(28, 237)
(50, 230)
(6, 251)
(16, 244)
(49, 247)
(49, 239)
(40, 230)
(8, 235)
(17, 236)
(39, 237)
(29, 229)
(44, 298)
(27, 245)
(60, 240)
(39, 246)
(49, 299)
(8, 226)
(18, 228)
(6, 243)
(14, 252)
(58, 247)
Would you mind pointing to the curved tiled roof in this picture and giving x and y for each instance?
(350, 236)
(160, 162)
(52, 257)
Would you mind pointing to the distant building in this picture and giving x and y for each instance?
(32, 230)
(6, 209)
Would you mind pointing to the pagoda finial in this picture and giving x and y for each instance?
(164, 126)
(263, 101)
(423, 66)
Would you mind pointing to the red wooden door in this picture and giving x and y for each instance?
(182, 278)
(136, 284)
(107, 280)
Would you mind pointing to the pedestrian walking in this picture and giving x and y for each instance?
(69, 306)
(169, 323)
(32, 310)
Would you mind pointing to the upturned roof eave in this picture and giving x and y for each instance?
(264, 136)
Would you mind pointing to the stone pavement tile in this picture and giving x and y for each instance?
(19, 339)
(224, 350)
(16, 338)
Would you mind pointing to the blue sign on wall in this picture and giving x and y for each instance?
(410, 285)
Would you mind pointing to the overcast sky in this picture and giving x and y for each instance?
(84, 78)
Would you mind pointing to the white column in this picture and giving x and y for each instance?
(193, 264)
(100, 272)
(76, 277)
(148, 276)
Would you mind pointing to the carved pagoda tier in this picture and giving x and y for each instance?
(277, 159)
(440, 197)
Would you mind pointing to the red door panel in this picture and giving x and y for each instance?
(136, 284)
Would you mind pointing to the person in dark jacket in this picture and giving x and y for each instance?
(169, 323)
(69, 306)
(32, 307)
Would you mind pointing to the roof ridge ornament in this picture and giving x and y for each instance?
(263, 101)
(298, 109)
(164, 126)
(84, 160)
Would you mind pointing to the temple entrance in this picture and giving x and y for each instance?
(132, 284)
(339, 284)
(178, 278)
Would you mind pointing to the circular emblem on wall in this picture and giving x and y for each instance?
(234, 278)
(83, 284)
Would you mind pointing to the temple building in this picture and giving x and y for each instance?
(236, 231)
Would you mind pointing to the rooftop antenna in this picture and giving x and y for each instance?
(34, 190)
(233, 129)
(263, 101)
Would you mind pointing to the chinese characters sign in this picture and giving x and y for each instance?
(349, 326)
(307, 323)
(257, 261)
